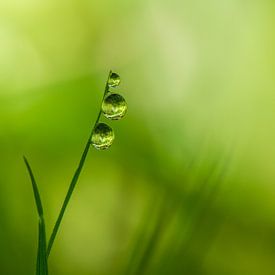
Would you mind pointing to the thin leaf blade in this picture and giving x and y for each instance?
(35, 189)
(41, 263)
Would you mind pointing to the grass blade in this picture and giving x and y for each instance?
(42, 268)
(35, 189)
(75, 178)
(41, 263)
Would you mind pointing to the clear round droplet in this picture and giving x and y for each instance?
(114, 80)
(103, 136)
(114, 106)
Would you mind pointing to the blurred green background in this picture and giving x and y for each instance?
(188, 185)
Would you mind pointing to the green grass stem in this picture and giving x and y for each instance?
(74, 179)
(41, 263)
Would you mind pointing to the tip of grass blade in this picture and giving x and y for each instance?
(35, 189)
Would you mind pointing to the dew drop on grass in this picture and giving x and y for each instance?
(103, 136)
(114, 106)
(114, 80)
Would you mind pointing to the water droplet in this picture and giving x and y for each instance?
(114, 80)
(103, 136)
(114, 106)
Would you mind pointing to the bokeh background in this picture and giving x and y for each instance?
(188, 185)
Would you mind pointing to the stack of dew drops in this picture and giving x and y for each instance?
(113, 107)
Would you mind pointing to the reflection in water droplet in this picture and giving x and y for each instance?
(114, 106)
(114, 80)
(103, 136)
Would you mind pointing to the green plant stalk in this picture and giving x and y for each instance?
(41, 261)
(75, 178)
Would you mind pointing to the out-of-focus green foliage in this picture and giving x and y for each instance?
(188, 185)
